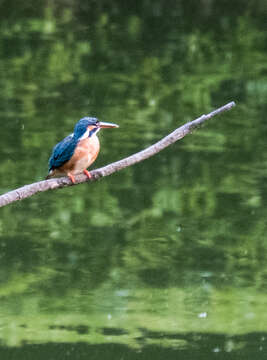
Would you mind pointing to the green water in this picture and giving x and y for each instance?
(167, 258)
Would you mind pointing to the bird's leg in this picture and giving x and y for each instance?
(86, 172)
(71, 177)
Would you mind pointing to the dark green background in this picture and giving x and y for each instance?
(166, 258)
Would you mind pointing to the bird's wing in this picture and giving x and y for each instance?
(62, 152)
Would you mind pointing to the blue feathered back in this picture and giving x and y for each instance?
(62, 152)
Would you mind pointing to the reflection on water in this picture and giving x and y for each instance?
(193, 346)
(151, 345)
(166, 257)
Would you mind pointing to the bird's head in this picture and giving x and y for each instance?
(89, 126)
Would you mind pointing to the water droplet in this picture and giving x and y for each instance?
(203, 315)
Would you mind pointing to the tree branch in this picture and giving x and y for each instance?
(51, 184)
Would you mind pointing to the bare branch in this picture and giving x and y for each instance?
(51, 184)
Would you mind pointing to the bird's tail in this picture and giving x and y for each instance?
(50, 175)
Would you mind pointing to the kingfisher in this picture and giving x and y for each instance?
(74, 154)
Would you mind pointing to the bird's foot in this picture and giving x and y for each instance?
(71, 177)
(86, 172)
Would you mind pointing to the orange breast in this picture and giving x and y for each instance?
(84, 155)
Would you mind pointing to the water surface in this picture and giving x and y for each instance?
(163, 259)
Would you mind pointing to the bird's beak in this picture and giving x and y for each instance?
(103, 125)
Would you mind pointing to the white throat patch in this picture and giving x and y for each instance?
(85, 135)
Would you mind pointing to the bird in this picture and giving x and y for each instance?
(76, 152)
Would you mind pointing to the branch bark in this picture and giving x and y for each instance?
(52, 184)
